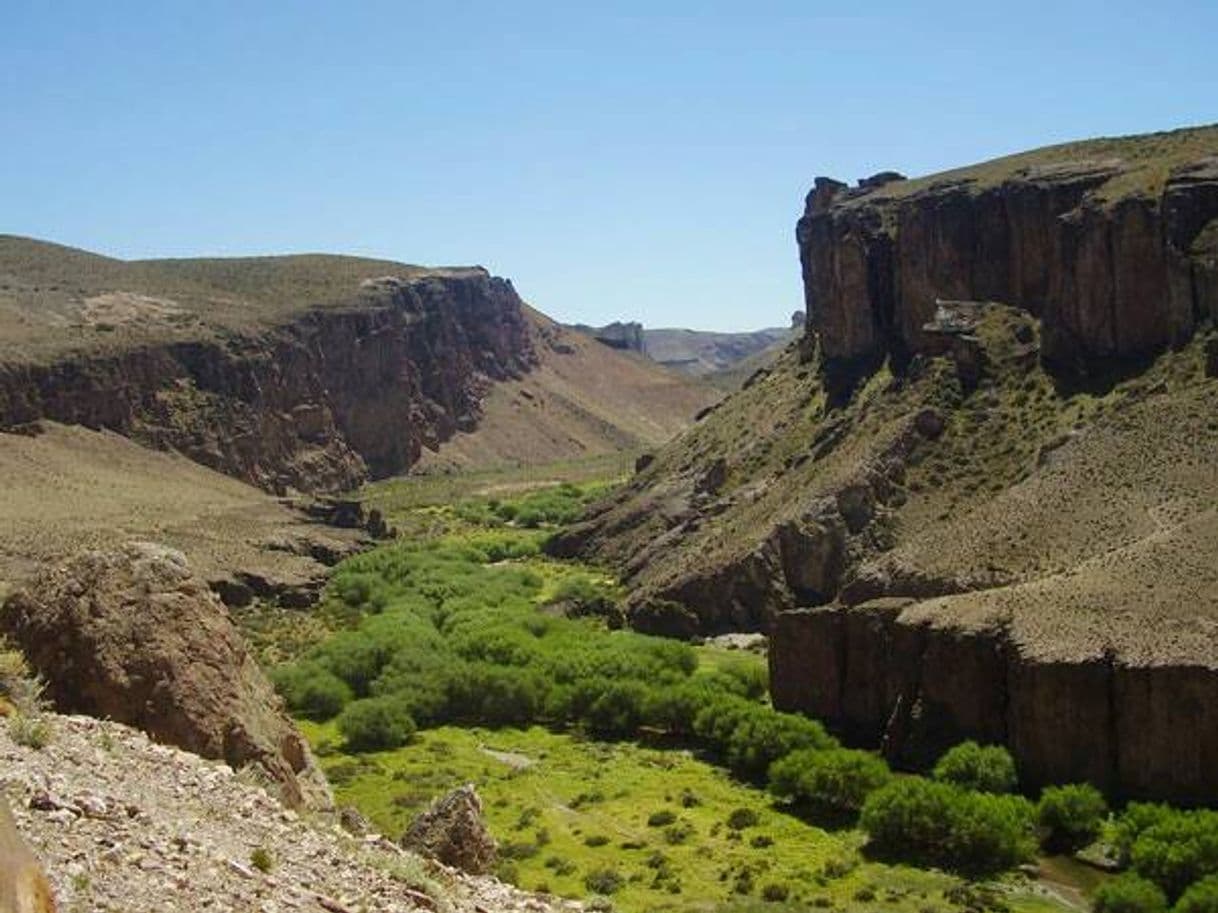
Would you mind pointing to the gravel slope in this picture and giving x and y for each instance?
(123, 824)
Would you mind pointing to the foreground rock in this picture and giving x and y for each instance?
(123, 824)
(453, 831)
(132, 635)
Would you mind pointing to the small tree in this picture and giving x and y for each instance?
(1129, 894)
(835, 780)
(1201, 897)
(987, 769)
(1071, 815)
(1179, 851)
(376, 724)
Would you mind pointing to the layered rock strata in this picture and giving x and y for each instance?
(1110, 277)
(319, 402)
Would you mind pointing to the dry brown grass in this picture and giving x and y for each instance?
(72, 488)
(1145, 161)
(56, 299)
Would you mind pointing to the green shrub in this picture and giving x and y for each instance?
(661, 818)
(519, 850)
(261, 859)
(839, 779)
(988, 768)
(678, 833)
(618, 711)
(376, 724)
(1129, 894)
(29, 731)
(942, 824)
(742, 818)
(1133, 821)
(595, 840)
(762, 736)
(604, 881)
(311, 690)
(1071, 815)
(1200, 897)
(1181, 849)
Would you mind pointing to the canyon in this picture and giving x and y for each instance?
(976, 501)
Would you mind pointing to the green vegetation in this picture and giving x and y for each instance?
(835, 781)
(1201, 897)
(262, 860)
(942, 824)
(552, 796)
(1129, 894)
(1178, 851)
(987, 769)
(1071, 815)
(469, 626)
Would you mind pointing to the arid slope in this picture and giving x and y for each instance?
(70, 488)
(582, 399)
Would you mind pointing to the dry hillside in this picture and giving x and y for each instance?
(582, 399)
(70, 488)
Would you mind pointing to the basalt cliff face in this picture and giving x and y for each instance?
(1112, 249)
(314, 400)
(978, 501)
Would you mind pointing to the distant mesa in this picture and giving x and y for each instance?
(712, 356)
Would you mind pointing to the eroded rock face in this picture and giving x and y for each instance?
(1108, 279)
(314, 405)
(132, 635)
(892, 680)
(454, 832)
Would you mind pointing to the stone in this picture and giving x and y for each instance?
(131, 634)
(453, 831)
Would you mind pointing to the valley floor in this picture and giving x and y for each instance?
(642, 824)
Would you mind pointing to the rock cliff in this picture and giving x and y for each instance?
(313, 398)
(1109, 243)
(998, 526)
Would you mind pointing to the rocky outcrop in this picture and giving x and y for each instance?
(452, 831)
(133, 636)
(1110, 276)
(892, 678)
(625, 337)
(319, 402)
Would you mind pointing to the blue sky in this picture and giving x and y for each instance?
(625, 160)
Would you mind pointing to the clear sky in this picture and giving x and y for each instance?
(617, 160)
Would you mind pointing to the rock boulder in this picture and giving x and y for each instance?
(131, 634)
(453, 832)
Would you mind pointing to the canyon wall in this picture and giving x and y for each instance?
(319, 402)
(1112, 274)
(892, 679)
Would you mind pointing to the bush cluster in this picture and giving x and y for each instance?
(1071, 816)
(943, 824)
(834, 780)
(984, 768)
(449, 632)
